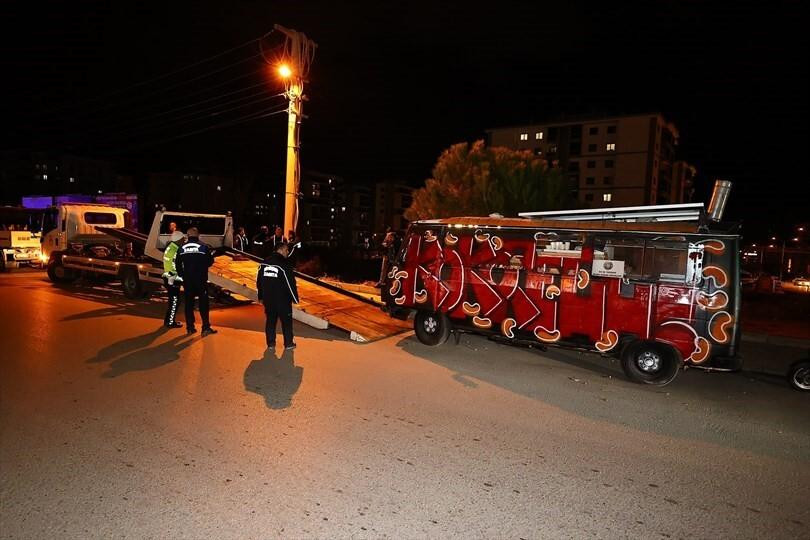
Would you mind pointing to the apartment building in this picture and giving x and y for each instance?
(610, 161)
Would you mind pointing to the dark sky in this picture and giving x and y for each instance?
(395, 83)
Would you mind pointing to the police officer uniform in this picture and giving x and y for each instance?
(275, 283)
(193, 260)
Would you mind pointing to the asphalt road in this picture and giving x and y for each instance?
(112, 427)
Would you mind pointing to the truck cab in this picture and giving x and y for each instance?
(76, 224)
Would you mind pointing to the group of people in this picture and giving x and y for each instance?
(263, 243)
(186, 261)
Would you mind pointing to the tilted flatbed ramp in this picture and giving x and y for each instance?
(321, 304)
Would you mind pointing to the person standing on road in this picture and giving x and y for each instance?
(389, 245)
(261, 241)
(193, 260)
(278, 238)
(240, 242)
(171, 280)
(275, 283)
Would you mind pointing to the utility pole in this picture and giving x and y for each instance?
(299, 52)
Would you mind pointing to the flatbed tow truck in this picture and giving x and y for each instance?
(135, 258)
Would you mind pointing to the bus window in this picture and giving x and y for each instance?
(630, 252)
(666, 260)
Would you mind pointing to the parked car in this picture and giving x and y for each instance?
(801, 282)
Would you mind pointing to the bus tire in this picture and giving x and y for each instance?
(650, 362)
(799, 376)
(131, 283)
(431, 328)
(58, 273)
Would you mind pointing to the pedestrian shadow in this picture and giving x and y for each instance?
(125, 346)
(275, 378)
(149, 358)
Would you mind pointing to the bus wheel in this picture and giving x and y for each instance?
(58, 273)
(799, 376)
(431, 328)
(649, 362)
(131, 284)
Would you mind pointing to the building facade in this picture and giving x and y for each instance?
(611, 161)
(390, 202)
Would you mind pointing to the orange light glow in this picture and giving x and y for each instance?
(285, 71)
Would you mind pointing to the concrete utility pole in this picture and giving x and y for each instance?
(299, 52)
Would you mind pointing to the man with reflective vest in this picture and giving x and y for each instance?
(275, 283)
(193, 260)
(171, 280)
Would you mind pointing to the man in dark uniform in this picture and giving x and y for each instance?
(275, 283)
(240, 241)
(193, 260)
(278, 238)
(261, 242)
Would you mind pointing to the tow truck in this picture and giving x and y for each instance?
(94, 240)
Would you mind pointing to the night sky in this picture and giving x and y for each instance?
(395, 83)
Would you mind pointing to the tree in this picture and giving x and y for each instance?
(477, 180)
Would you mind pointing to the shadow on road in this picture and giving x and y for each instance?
(718, 408)
(126, 346)
(275, 378)
(249, 317)
(149, 358)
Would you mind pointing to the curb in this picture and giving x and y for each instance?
(776, 340)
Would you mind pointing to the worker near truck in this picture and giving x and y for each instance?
(275, 283)
(261, 242)
(240, 241)
(192, 261)
(171, 280)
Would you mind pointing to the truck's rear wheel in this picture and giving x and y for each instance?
(431, 328)
(650, 362)
(131, 283)
(799, 376)
(58, 273)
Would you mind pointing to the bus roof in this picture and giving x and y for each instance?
(523, 223)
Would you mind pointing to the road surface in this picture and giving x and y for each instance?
(113, 427)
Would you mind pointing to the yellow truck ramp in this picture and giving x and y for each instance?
(321, 304)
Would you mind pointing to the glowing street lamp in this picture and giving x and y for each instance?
(284, 71)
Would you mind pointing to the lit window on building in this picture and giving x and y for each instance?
(610, 147)
(538, 136)
(219, 188)
(524, 136)
(552, 149)
(607, 197)
(44, 176)
(538, 151)
(72, 180)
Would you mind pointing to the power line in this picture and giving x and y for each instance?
(195, 114)
(241, 120)
(168, 74)
(171, 121)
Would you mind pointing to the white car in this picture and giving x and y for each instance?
(801, 282)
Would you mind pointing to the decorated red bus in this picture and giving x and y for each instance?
(659, 294)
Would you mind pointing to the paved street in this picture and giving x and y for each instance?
(113, 427)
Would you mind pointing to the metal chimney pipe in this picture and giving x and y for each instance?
(717, 205)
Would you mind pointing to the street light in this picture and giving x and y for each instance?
(284, 71)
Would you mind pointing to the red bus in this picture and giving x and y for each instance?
(659, 294)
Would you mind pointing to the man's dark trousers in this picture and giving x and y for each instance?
(174, 301)
(274, 313)
(202, 294)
